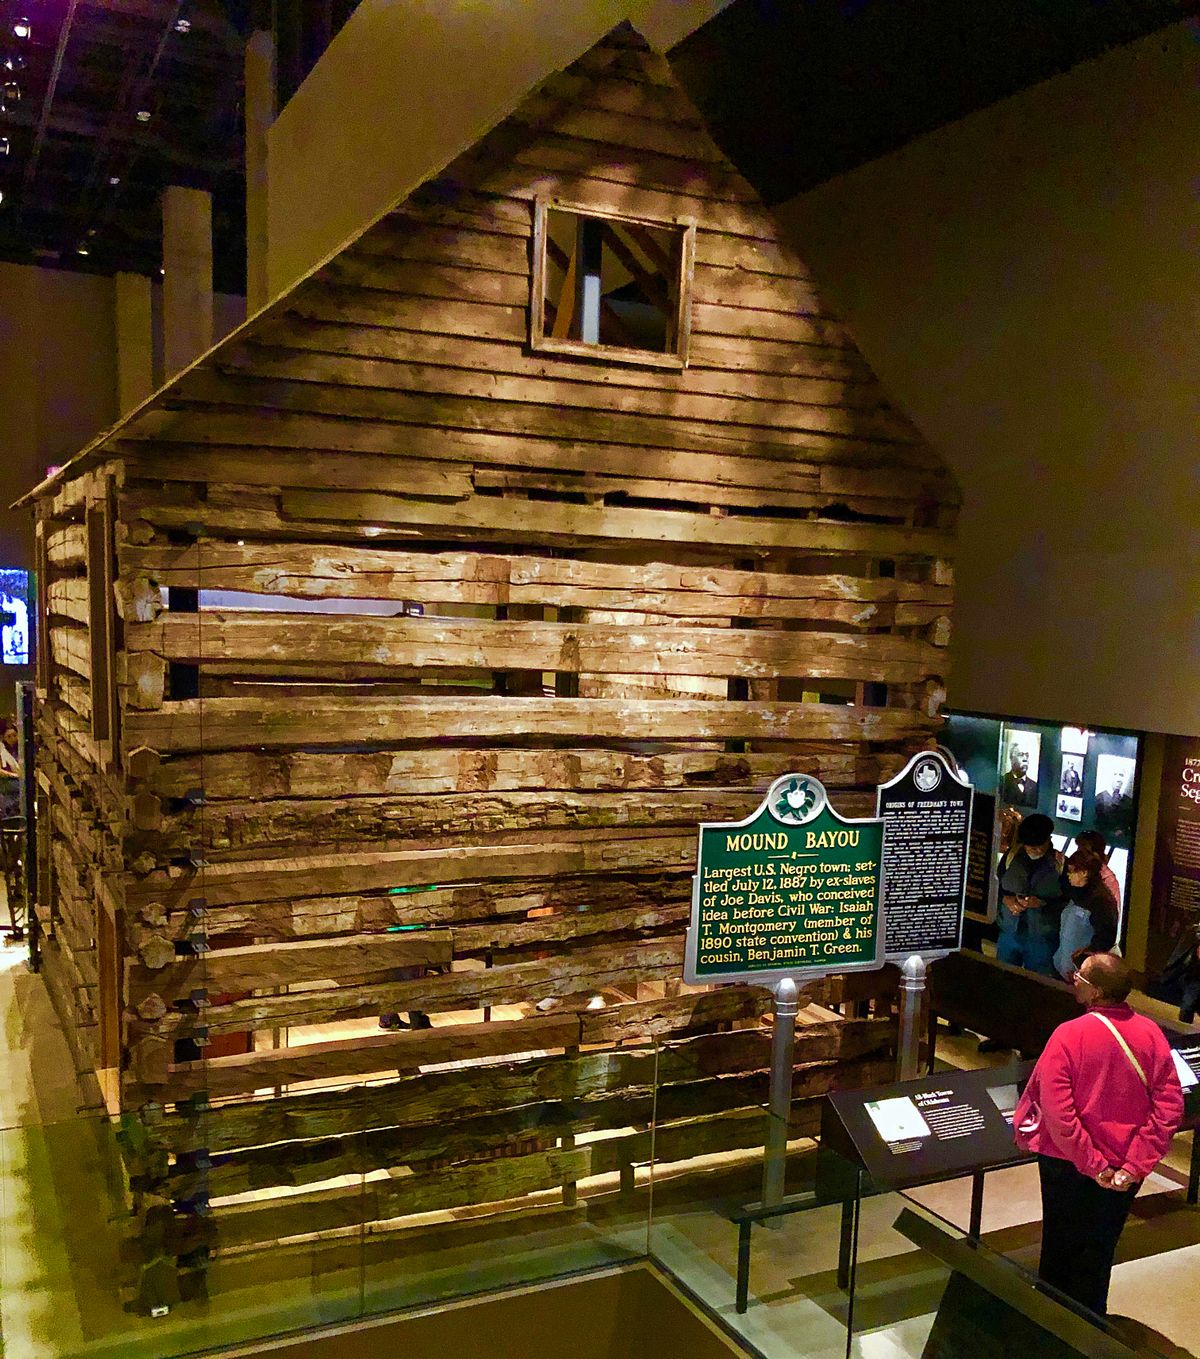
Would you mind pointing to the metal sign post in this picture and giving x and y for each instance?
(783, 1047)
(912, 990)
(787, 895)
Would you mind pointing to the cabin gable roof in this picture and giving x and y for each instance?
(414, 339)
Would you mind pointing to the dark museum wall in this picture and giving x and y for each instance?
(1024, 283)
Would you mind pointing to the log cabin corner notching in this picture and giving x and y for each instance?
(390, 656)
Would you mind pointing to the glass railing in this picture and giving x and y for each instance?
(838, 1269)
(226, 1225)
(194, 1230)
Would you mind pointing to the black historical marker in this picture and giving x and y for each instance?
(926, 811)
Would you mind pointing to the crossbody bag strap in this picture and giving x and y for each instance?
(1116, 1033)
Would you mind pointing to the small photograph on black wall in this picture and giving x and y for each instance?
(1070, 789)
(1070, 779)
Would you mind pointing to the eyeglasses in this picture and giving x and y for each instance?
(1079, 977)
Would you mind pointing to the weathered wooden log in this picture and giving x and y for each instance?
(512, 900)
(259, 966)
(230, 724)
(315, 515)
(142, 679)
(69, 598)
(371, 1054)
(69, 648)
(830, 376)
(312, 774)
(489, 1137)
(493, 1182)
(429, 644)
(225, 830)
(493, 516)
(679, 1016)
(483, 444)
(594, 1089)
(568, 971)
(280, 879)
(66, 547)
(868, 414)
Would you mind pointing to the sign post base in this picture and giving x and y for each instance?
(783, 1046)
(912, 988)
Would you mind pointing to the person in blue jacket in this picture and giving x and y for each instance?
(1031, 898)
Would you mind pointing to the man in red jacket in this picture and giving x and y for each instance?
(1100, 1110)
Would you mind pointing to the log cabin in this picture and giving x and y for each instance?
(389, 656)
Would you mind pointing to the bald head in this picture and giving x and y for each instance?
(1108, 974)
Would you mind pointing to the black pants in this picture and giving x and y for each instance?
(1081, 1222)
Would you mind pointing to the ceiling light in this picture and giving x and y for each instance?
(12, 92)
(113, 181)
(14, 63)
(183, 25)
(1, 195)
(23, 29)
(143, 115)
(5, 146)
(82, 250)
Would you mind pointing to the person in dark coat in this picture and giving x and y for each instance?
(1089, 915)
(1093, 840)
(1179, 982)
(1031, 897)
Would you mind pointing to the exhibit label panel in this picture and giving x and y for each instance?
(981, 899)
(931, 1128)
(1175, 883)
(792, 891)
(1185, 1051)
(926, 812)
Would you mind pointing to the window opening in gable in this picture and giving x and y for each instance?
(611, 285)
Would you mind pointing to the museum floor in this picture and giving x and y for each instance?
(58, 1253)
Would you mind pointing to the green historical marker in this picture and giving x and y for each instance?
(792, 891)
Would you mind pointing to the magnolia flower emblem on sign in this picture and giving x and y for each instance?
(795, 799)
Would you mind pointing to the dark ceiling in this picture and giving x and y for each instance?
(104, 102)
(798, 91)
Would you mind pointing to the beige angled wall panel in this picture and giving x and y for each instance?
(406, 86)
(1033, 309)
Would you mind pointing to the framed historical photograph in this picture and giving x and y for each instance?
(1021, 753)
(1114, 797)
(1070, 776)
(1074, 740)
